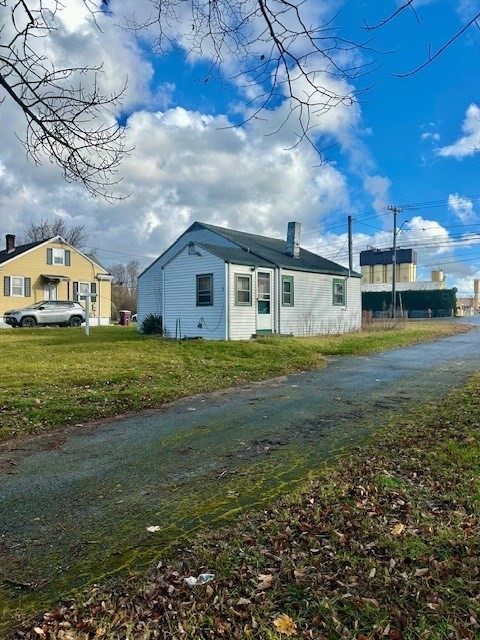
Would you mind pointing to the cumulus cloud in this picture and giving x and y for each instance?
(184, 166)
(378, 187)
(462, 208)
(469, 143)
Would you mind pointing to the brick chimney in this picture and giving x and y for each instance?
(293, 239)
(10, 242)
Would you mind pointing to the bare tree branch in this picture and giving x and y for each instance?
(67, 122)
(430, 57)
(278, 55)
(272, 48)
(43, 229)
(392, 16)
(439, 52)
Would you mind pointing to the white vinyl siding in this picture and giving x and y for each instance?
(242, 317)
(314, 312)
(149, 286)
(181, 312)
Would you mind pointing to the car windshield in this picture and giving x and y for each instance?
(36, 305)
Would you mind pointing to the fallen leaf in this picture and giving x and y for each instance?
(285, 625)
(421, 572)
(243, 602)
(153, 529)
(398, 529)
(265, 582)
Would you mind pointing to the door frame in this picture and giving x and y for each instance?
(264, 320)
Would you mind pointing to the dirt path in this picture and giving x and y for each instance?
(79, 508)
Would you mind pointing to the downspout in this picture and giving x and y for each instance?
(163, 299)
(99, 302)
(227, 300)
(279, 300)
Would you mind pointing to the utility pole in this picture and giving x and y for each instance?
(350, 246)
(395, 211)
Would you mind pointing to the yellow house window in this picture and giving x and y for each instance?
(17, 286)
(59, 257)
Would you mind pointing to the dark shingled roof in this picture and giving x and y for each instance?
(8, 255)
(236, 256)
(263, 251)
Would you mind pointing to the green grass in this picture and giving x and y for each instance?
(54, 377)
(382, 543)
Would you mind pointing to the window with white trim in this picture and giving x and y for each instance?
(83, 291)
(58, 256)
(243, 289)
(17, 286)
(339, 292)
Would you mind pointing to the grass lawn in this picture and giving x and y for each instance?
(383, 543)
(53, 377)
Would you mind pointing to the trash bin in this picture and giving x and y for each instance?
(125, 317)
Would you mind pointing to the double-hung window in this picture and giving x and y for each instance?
(287, 291)
(59, 257)
(339, 292)
(243, 290)
(17, 284)
(204, 290)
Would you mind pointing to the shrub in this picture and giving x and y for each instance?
(152, 324)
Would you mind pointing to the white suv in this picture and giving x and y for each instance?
(61, 312)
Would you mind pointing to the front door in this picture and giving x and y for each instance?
(264, 302)
(50, 291)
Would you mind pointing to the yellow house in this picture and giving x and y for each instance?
(53, 270)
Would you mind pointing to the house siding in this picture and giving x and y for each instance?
(242, 318)
(313, 312)
(181, 313)
(150, 288)
(32, 264)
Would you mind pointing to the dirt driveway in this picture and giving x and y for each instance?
(116, 496)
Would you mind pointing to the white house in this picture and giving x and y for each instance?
(217, 283)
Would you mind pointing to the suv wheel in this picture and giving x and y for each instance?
(75, 321)
(28, 322)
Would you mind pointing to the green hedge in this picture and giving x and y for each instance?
(436, 300)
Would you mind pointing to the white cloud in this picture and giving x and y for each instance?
(378, 187)
(462, 208)
(469, 143)
(184, 166)
(434, 137)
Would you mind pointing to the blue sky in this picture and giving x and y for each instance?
(409, 142)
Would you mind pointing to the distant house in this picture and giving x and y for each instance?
(222, 284)
(53, 270)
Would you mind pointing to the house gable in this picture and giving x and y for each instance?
(256, 269)
(52, 269)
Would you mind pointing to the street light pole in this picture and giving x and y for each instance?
(394, 210)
